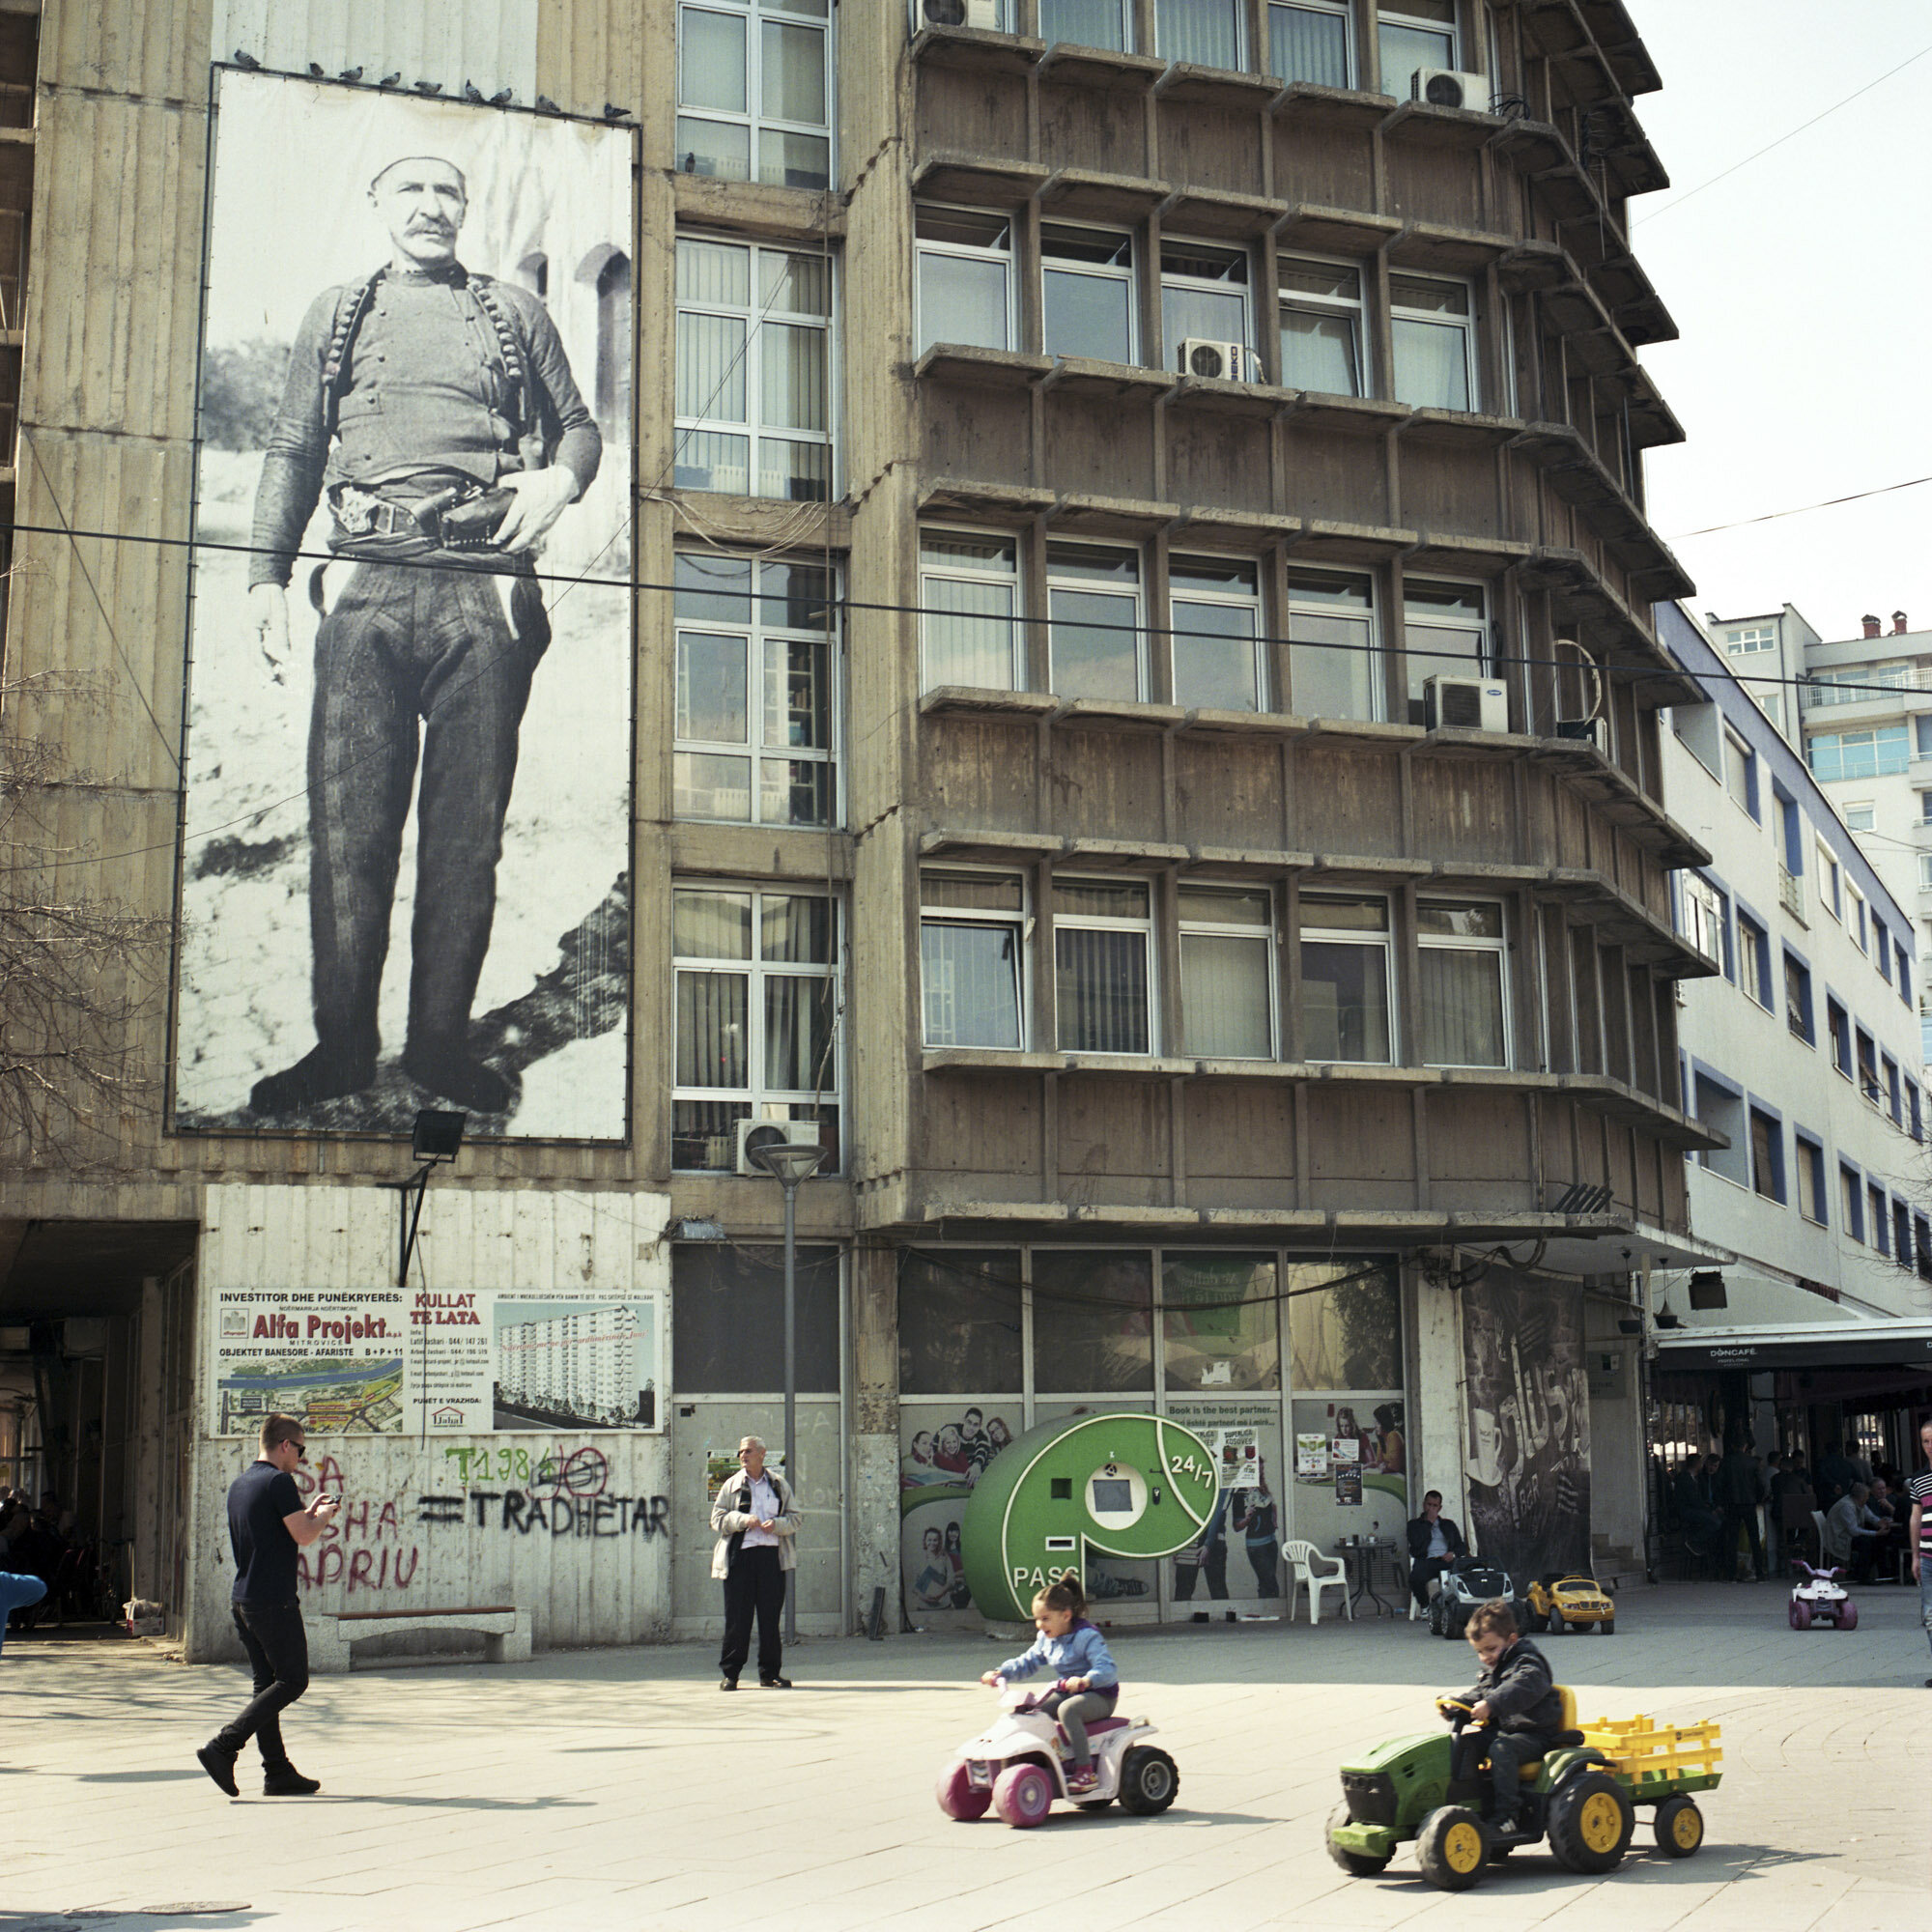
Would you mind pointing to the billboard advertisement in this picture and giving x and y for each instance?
(405, 869)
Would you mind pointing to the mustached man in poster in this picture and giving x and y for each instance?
(434, 411)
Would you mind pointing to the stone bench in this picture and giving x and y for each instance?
(506, 1629)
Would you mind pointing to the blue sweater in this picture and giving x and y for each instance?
(16, 1593)
(1081, 1653)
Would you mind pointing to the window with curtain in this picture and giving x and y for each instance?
(1088, 23)
(1334, 668)
(1203, 33)
(754, 91)
(959, 1321)
(965, 292)
(1086, 292)
(755, 997)
(1444, 633)
(1313, 40)
(755, 704)
(1322, 331)
(972, 955)
(1103, 965)
(1413, 34)
(1203, 294)
(1346, 994)
(1093, 1321)
(754, 371)
(1810, 1179)
(1464, 982)
(1753, 960)
(1096, 645)
(1214, 615)
(1227, 974)
(1433, 332)
(969, 594)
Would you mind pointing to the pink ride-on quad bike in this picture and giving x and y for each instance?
(1018, 1766)
(1819, 1598)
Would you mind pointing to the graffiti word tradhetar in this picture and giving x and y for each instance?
(445, 1311)
(518, 1511)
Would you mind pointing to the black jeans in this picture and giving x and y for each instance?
(1422, 1571)
(1747, 1520)
(1509, 1751)
(755, 1583)
(277, 1647)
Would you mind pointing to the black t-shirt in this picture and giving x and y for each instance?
(259, 1498)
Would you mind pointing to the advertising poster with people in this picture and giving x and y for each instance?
(1528, 1451)
(947, 1447)
(1236, 1563)
(404, 877)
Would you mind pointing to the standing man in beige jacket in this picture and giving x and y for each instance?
(756, 1522)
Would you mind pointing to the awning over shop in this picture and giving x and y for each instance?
(1829, 1344)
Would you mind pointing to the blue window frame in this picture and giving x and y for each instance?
(1852, 1193)
(1810, 1152)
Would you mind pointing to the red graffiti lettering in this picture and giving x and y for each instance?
(387, 1521)
(404, 1575)
(354, 1517)
(360, 1566)
(328, 1565)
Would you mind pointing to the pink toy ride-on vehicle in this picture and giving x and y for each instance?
(1019, 1764)
(1819, 1598)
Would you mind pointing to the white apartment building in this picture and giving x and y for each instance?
(1767, 653)
(589, 1363)
(1805, 1054)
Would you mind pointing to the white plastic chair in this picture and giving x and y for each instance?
(1311, 1571)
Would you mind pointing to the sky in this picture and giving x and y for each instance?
(1801, 289)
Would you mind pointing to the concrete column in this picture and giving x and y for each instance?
(874, 1507)
(1437, 1428)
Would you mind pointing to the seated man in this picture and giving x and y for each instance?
(1514, 1699)
(1433, 1544)
(1851, 1533)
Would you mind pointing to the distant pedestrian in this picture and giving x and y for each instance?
(756, 1522)
(15, 1594)
(267, 1525)
(1741, 1489)
(1920, 1489)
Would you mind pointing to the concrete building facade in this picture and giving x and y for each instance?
(1176, 560)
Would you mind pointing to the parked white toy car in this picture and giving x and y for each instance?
(1019, 1767)
(1819, 1598)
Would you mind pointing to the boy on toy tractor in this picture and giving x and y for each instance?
(1514, 1706)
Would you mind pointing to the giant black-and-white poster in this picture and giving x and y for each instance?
(406, 868)
(1528, 1410)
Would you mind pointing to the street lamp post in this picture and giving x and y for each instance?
(788, 1162)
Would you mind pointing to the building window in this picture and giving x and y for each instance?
(1204, 295)
(1311, 41)
(1828, 880)
(1860, 818)
(1915, 1120)
(1094, 636)
(1753, 960)
(1798, 998)
(1464, 983)
(1741, 772)
(1922, 1230)
(972, 952)
(1867, 1067)
(1851, 1196)
(753, 354)
(1721, 1109)
(753, 90)
(1766, 1149)
(755, 995)
(1103, 965)
(1881, 948)
(1810, 1179)
(1411, 35)
(1215, 619)
(1854, 918)
(1877, 1233)
(1903, 976)
(1344, 977)
(1433, 330)
(1839, 1028)
(1444, 633)
(1332, 661)
(1892, 1103)
(965, 277)
(1884, 753)
(1703, 914)
(1088, 23)
(1086, 292)
(1321, 326)
(1202, 32)
(969, 594)
(1227, 974)
(1751, 638)
(1901, 1233)
(756, 703)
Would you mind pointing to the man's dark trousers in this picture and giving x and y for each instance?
(403, 644)
(755, 1582)
(277, 1647)
(1747, 1520)
(1423, 1570)
(1509, 1751)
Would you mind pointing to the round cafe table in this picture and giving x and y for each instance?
(1360, 1561)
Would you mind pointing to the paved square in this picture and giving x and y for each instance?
(621, 1789)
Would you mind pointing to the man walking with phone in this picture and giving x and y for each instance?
(266, 1527)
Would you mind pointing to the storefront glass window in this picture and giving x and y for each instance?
(1093, 1321)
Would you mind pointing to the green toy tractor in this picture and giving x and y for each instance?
(1582, 1797)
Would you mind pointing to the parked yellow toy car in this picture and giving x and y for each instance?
(1558, 1602)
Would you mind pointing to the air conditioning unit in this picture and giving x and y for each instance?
(982, 14)
(1586, 731)
(1225, 361)
(1444, 87)
(758, 1134)
(1465, 705)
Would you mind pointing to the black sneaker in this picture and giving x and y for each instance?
(774, 1682)
(219, 1765)
(289, 1782)
(728, 1684)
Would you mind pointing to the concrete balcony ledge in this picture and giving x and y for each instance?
(1350, 109)
(1088, 194)
(975, 50)
(1424, 124)
(976, 180)
(1104, 70)
(1235, 90)
(1334, 230)
(970, 362)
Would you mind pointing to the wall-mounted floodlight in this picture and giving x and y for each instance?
(436, 1139)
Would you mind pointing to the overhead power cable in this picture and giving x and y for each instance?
(1803, 509)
